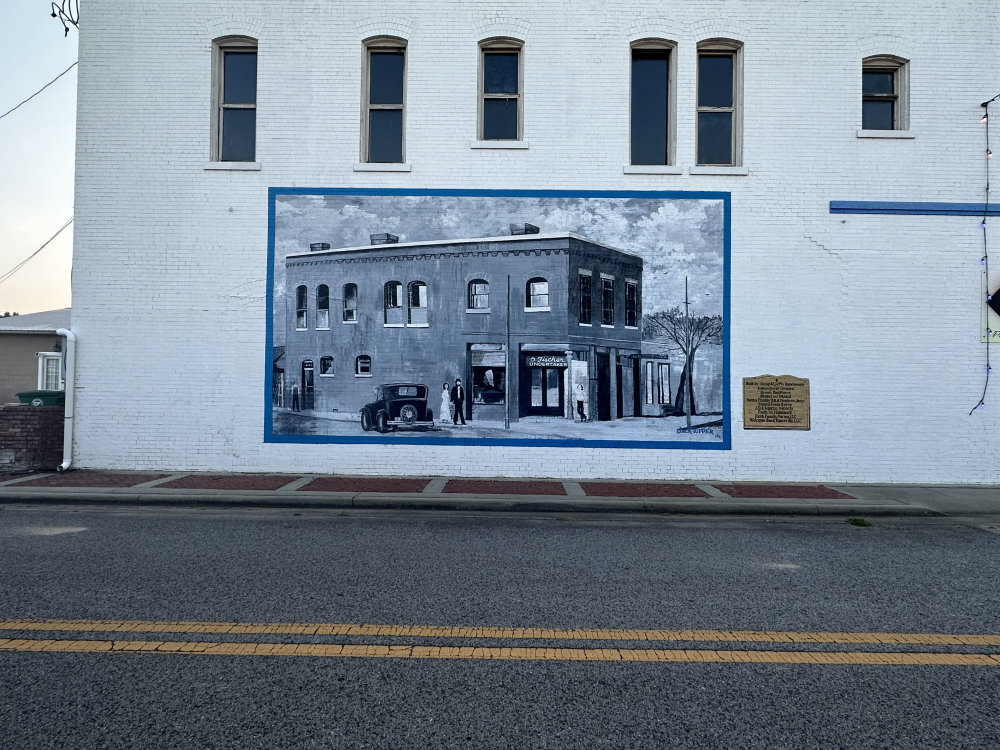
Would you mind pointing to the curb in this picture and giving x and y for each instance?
(263, 499)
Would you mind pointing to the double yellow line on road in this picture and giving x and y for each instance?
(409, 651)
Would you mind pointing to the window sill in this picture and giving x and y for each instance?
(362, 376)
(605, 325)
(586, 325)
(301, 329)
(393, 325)
(349, 322)
(326, 376)
(418, 325)
(233, 166)
(522, 145)
(477, 311)
(381, 167)
(322, 328)
(537, 309)
(652, 169)
(720, 170)
(892, 134)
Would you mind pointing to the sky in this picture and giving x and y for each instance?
(37, 149)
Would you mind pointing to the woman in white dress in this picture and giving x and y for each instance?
(446, 405)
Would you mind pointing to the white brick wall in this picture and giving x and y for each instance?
(881, 313)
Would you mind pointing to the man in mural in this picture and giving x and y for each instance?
(458, 399)
(581, 398)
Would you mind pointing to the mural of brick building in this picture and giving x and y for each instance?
(532, 323)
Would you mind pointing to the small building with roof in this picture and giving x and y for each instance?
(31, 353)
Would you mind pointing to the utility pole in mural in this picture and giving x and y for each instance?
(679, 331)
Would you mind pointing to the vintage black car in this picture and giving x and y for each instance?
(397, 405)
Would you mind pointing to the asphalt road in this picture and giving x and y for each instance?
(492, 571)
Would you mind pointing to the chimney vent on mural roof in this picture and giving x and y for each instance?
(383, 238)
(319, 247)
(523, 229)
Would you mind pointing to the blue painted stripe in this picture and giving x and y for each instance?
(920, 208)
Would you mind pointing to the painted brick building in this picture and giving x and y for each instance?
(523, 320)
(845, 141)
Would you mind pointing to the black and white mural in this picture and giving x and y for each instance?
(487, 317)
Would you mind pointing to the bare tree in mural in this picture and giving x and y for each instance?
(685, 333)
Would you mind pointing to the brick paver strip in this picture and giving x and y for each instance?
(495, 487)
(228, 482)
(90, 479)
(641, 489)
(364, 484)
(797, 491)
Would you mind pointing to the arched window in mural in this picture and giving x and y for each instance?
(301, 307)
(536, 294)
(479, 294)
(350, 303)
(393, 303)
(416, 298)
(323, 306)
(363, 366)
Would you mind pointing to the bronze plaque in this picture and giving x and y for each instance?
(775, 402)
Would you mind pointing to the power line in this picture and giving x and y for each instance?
(40, 90)
(21, 265)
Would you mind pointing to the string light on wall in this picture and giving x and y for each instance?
(992, 301)
(68, 12)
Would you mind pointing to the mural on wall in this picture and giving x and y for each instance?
(481, 317)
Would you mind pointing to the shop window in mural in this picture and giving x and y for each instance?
(630, 348)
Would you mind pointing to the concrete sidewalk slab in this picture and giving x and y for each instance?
(235, 490)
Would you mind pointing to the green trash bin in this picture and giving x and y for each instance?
(43, 398)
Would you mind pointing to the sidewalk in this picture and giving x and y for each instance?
(314, 491)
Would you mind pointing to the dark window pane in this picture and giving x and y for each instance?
(385, 135)
(239, 78)
(239, 128)
(386, 78)
(649, 108)
(715, 80)
(500, 72)
(715, 137)
(877, 82)
(500, 119)
(586, 304)
(877, 115)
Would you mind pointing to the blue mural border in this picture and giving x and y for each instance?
(725, 444)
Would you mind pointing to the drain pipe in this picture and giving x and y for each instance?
(70, 380)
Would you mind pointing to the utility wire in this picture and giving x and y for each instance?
(21, 265)
(40, 90)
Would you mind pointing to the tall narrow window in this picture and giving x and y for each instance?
(718, 104)
(631, 304)
(50, 371)
(326, 367)
(883, 93)
(607, 301)
(500, 91)
(363, 366)
(385, 85)
(322, 306)
(650, 104)
(586, 298)
(536, 295)
(350, 303)
(417, 304)
(479, 294)
(236, 100)
(393, 304)
(301, 308)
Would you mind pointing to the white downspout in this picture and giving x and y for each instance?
(70, 380)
